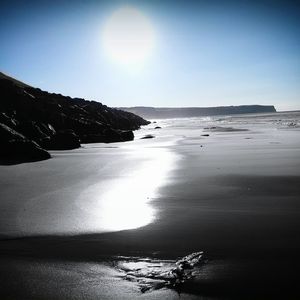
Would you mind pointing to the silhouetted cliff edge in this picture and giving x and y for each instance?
(188, 112)
(32, 120)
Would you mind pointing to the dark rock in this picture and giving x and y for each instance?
(45, 142)
(157, 127)
(9, 121)
(63, 140)
(111, 135)
(127, 135)
(148, 136)
(92, 138)
(7, 134)
(48, 129)
(23, 150)
(204, 134)
(38, 115)
(31, 130)
(108, 135)
(17, 148)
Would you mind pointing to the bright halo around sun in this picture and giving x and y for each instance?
(128, 36)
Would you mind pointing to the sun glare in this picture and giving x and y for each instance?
(128, 36)
(126, 202)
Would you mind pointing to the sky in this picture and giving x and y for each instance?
(190, 53)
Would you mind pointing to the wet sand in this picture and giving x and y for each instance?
(234, 195)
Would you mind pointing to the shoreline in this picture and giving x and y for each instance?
(78, 184)
(237, 202)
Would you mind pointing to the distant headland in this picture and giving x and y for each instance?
(189, 112)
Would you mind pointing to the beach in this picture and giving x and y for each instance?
(228, 186)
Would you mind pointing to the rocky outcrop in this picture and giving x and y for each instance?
(15, 147)
(147, 136)
(57, 122)
(62, 140)
(109, 135)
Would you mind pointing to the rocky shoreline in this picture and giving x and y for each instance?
(33, 121)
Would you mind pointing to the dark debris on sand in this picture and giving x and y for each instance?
(154, 274)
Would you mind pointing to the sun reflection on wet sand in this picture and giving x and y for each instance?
(125, 202)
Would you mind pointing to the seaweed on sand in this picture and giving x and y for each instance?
(153, 274)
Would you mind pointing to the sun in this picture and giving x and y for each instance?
(128, 36)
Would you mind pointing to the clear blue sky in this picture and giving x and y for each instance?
(207, 53)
